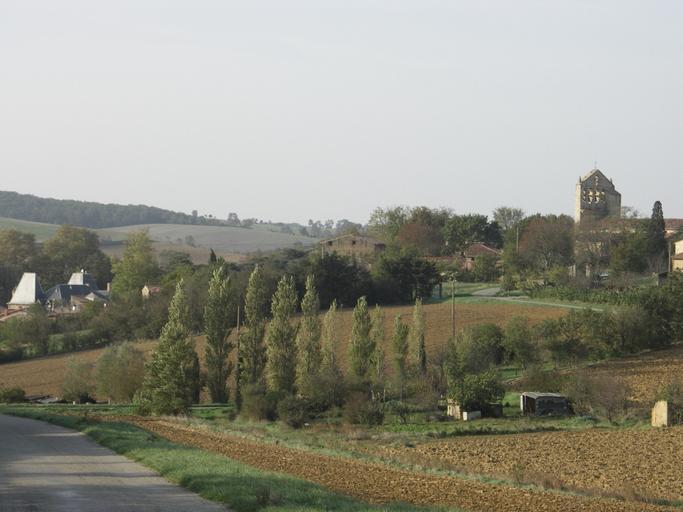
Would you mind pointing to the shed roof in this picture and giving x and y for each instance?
(535, 394)
(480, 249)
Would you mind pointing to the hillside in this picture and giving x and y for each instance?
(41, 230)
(228, 242)
(220, 238)
(88, 214)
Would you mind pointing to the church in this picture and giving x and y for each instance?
(596, 198)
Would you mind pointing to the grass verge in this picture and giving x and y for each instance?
(214, 477)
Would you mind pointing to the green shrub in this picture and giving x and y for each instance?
(78, 385)
(12, 395)
(361, 410)
(120, 372)
(474, 391)
(259, 404)
(294, 411)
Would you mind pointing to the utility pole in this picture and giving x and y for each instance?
(453, 306)
(238, 391)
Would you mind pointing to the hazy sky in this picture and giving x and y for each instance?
(290, 110)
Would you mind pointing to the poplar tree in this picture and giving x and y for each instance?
(331, 375)
(399, 343)
(417, 338)
(361, 344)
(329, 338)
(252, 350)
(171, 377)
(377, 337)
(308, 340)
(217, 327)
(281, 339)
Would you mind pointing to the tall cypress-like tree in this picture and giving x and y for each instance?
(656, 231)
(308, 340)
(377, 337)
(281, 339)
(361, 344)
(399, 344)
(417, 338)
(171, 376)
(217, 327)
(329, 340)
(252, 350)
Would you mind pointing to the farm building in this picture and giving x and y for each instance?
(476, 250)
(27, 293)
(149, 290)
(356, 246)
(677, 258)
(673, 226)
(542, 404)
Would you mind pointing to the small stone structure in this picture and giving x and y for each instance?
(666, 414)
(453, 409)
(471, 415)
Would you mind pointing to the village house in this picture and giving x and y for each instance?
(476, 250)
(149, 290)
(359, 247)
(70, 297)
(677, 257)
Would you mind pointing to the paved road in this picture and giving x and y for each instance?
(46, 468)
(490, 293)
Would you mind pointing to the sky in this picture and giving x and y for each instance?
(325, 109)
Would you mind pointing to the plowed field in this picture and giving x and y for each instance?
(647, 463)
(645, 374)
(380, 484)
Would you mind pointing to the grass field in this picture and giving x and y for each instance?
(41, 230)
(220, 238)
(223, 239)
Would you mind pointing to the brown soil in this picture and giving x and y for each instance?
(646, 463)
(645, 374)
(376, 483)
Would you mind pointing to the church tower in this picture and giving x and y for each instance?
(596, 198)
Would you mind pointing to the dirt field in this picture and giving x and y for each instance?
(646, 463)
(645, 374)
(438, 321)
(377, 483)
(44, 375)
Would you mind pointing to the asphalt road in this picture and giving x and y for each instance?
(48, 468)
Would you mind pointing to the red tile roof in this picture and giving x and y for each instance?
(480, 249)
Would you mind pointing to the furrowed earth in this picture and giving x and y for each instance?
(382, 484)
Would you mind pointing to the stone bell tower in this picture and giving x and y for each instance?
(596, 198)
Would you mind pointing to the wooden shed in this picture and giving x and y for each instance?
(543, 404)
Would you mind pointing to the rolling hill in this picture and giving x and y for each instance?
(227, 241)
